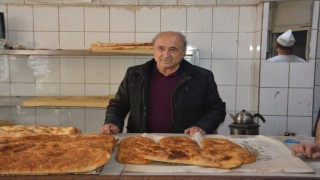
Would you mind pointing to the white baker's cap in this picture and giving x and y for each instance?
(286, 39)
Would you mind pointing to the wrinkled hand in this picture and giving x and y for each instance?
(310, 150)
(192, 130)
(110, 129)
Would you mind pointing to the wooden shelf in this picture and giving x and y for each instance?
(85, 52)
(56, 101)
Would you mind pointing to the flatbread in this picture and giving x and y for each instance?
(230, 149)
(20, 130)
(54, 154)
(132, 149)
(214, 152)
(120, 46)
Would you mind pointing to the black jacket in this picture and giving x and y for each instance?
(195, 102)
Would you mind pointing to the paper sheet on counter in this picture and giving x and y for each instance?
(272, 156)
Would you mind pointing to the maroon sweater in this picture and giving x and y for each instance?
(159, 102)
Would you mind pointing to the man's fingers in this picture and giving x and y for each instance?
(194, 130)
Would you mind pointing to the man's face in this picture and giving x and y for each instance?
(168, 51)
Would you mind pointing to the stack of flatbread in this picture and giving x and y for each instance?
(213, 152)
(100, 46)
(52, 150)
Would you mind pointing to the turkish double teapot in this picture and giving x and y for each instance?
(245, 124)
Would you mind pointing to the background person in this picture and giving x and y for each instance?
(311, 150)
(284, 47)
(166, 94)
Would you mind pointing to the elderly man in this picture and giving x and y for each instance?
(166, 94)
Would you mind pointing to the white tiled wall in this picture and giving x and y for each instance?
(228, 38)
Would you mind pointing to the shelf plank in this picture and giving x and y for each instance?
(84, 52)
(69, 101)
(57, 101)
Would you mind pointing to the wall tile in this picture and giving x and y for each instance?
(94, 120)
(247, 47)
(245, 72)
(199, 19)
(225, 71)
(5, 114)
(4, 68)
(247, 18)
(96, 70)
(278, 124)
(141, 61)
(316, 99)
(257, 45)
(21, 69)
(302, 74)
(273, 101)
(197, 2)
(4, 89)
(46, 18)
(227, 49)
(200, 41)
(118, 68)
(119, 2)
(228, 95)
(47, 89)
(22, 89)
(96, 18)
(256, 72)
(73, 117)
(274, 74)
(23, 38)
(263, 48)
(48, 116)
(224, 14)
(23, 116)
(114, 88)
(300, 125)
(72, 70)
(224, 128)
(156, 2)
(317, 73)
(259, 17)
(245, 98)
(72, 89)
(121, 37)
(148, 19)
(300, 102)
(205, 63)
(46, 40)
(173, 19)
(71, 18)
(122, 19)
(20, 18)
(144, 37)
(46, 69)
(92, 37)
(72, 40)
(313, 45)
(97, 89)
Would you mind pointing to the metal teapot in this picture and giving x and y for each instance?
(245, 117)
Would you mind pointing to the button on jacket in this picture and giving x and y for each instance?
(195, 101)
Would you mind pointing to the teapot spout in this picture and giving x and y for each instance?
(232, 116)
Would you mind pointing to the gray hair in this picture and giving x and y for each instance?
(181, 36)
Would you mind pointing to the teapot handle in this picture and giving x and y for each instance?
(260, 116)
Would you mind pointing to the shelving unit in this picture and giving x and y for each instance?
(191, 56)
